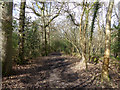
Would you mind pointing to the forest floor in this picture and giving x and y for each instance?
(58, 71)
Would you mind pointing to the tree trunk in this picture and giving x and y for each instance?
(81, 23)
(84, 40)
(105, 73)
(45, 41)
(21, 30)
(49, 38)
(6, 42)
(1, 46)
(92, 27)
(44, 28)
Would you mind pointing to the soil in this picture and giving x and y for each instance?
(58, 71)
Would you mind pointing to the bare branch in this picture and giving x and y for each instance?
(33, 9)
(54, 17)
(72, 18)
(38, 6)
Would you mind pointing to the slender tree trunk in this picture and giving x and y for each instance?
(44, 28)
(49, 38)
(84, 40)
(92, 27)
(6, 49)
(99, 34)
(105, 73)
(1, 59)
(45, 41)
(81, 23)
(21, 30)
(42, 37)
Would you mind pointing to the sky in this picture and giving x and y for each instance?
(28, 2)
(16, 9)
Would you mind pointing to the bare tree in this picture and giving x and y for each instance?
(96, 7)
(105, 73)
(43, 13)
(21, 30)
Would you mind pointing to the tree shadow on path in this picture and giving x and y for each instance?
(47, 72)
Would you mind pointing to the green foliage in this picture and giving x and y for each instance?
(32, 41)
(61, 45)
(115, 47)
(15, 40)
(115, 44)
(95, 58)
(118, 58)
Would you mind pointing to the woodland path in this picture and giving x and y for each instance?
(53, 71)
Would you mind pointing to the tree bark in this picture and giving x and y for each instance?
(92, 26)
(6, 42)
(84, 40)
(44, 28)
(81, 23)
(1, 45)
(21, 30)
(105, 73)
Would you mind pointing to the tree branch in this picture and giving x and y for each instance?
(32, 8)
(54, 17)
(72, 18)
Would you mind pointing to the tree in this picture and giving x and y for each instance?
(84, 58)
(105, 73)
(0, 46)
(117, 35)
(96, 8)
(21, 30)
(46, 18)
(32, 43)
(82, 29)
(6, 32)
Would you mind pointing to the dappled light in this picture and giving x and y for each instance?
(65, 45)
(55, 72)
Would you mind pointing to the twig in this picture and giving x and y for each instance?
(91, 80)
(114, 71)
(87, 81)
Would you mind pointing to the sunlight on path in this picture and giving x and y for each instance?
(54, 72)
(78, 66)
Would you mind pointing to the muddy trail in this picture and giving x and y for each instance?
(57, 71)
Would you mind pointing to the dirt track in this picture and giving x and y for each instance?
(54, 71)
